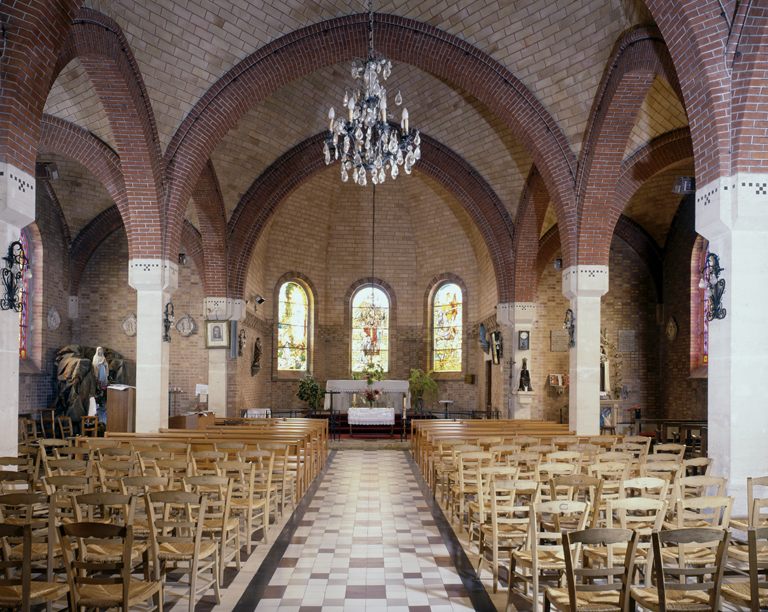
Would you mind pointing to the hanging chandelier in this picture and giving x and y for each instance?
(366, 143)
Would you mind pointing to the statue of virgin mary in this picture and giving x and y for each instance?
(100, 367)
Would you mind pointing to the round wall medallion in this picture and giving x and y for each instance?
(129, 325)
(672, 328)
(54, 319)
(186, 326)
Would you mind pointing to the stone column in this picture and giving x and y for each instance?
(155, 280)
(17, 210)
(584, 286)
(220, 309)
(517, 317)
(732, 213)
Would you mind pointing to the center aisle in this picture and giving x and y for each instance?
(371, 537)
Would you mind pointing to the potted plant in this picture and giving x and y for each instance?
(422, 386)
(312, 392)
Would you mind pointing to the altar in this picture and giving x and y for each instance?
(345, 393)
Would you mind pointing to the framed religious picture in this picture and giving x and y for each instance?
(217, 334)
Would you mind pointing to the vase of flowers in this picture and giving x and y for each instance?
(371, 395)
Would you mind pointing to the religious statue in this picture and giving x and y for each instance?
(525, 377)
(256, 364)
(484, 345)
(101, 372)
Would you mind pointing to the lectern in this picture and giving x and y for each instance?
(121, 408)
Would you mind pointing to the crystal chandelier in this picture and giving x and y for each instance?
(366, 143)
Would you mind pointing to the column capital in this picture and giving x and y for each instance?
(17, 196)
(585, 281)
(224, 309)
(153, 275)
(516, 313)
(734, 203)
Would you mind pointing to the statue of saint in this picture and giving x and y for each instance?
(256, 364)
(100, 367)
(525, 377)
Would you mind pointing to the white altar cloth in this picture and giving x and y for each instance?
(256, 413)
(348, 387)
(371, 416)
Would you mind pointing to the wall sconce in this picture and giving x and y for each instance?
(16, 258)
(570, 326)
(241, 342)
(715, 286)
(168, 320)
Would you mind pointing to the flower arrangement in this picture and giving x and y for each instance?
(371, 396)
(373, 371)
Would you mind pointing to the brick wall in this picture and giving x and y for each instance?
(49, 287)
(106, 299)
(681, 396)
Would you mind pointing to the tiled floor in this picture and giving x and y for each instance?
(367, 536)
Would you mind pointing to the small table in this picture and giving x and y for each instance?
(446, 405)
(372, 417)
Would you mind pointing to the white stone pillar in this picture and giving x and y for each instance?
(17, 210)
(220, 309)
(584, 286)
(154, 280)
(732, 214)
(518, 317)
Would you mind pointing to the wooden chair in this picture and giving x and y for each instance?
(178, 450)
(752, 595)
(249, 504)
(230, 448)
(700, 486)
(564, 442)
(175, 470)
(177, 537)
(467, 485)
(72, 452)
(709, 511)
(526, 464)
(648, 487)
(544, 552)
(613, 474)
(544, 449)
(28, 430)
(219, 519)
(17, 589)
(588, 589)
(578, 487)
(139, 487)
(204, 462)
(752, 520)
(640, 515)
(89, 426)
(283, 478)
(65, 427)
(264, 483)
(115, 453)
(678, 449)
(525, 441)
(478, 511)
(89, 586)
(12, 481)
(441, 463)
(47, 423)
(147, 459)
(510, 503)
(68, 467)
(547, 471)
(680, 587)
(451, 476)
(698, 466)
(110, 474)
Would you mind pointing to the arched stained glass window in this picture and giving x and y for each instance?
(370, 328)
(447, 328)
(24, 314)
(704, 317)
(293, 327)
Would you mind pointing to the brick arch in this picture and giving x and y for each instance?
(639, 58)
(534, 202)
(70, 140)
(212, 219)
(339, 40)
(192, 243)
(102, 48)
(658, 155)
(59, 211)
(87, 241)
(437, 161)
(640, 241)
(749, 106)
(31, 30)
(429, 294)
(697, 43)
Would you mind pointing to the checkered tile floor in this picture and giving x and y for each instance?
(366, 538)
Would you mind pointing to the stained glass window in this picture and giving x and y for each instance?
(446, 325)
(370, 328)
(705, 320)
(24, 301)
(292, 327)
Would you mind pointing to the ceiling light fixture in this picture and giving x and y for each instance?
(366, 143)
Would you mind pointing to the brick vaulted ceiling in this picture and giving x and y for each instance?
(559, 49)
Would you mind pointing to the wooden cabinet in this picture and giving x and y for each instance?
(121, 409)
(197, 420)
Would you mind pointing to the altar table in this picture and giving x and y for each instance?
(393, 390)
(371, 416)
